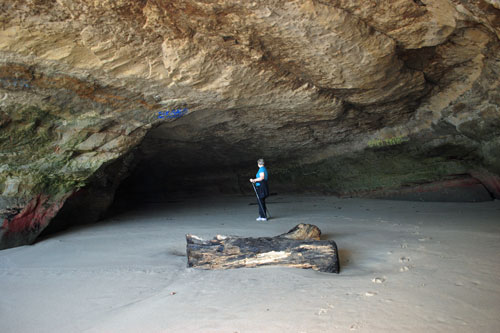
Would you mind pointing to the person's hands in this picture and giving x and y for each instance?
(251, 180)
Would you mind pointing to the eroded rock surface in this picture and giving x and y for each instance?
(342, 96)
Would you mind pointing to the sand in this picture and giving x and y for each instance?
(405, 267)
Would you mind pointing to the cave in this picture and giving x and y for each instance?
(126, 125)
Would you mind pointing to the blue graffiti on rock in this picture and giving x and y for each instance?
(176, 113)
(14, 83)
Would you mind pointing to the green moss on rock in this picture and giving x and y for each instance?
(27, 141)
(386, 168)
(27, 133)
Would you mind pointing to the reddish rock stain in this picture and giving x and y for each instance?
(35, 216)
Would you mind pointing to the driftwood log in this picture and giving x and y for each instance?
(301, 247)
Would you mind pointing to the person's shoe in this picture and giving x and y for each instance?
(263, 219)
(258, 219)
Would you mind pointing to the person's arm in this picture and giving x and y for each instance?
(262, 177)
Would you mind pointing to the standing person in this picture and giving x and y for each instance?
(262, 189)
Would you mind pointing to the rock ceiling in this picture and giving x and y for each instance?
(372, 95)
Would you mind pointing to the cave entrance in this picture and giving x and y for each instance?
(196, 158)
(171, 164)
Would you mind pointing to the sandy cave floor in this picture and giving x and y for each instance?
(405, 267)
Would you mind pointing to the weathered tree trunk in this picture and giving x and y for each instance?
(301, 247)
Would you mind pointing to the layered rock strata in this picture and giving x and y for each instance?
(344, 97)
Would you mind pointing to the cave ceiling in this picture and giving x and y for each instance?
(346, 87)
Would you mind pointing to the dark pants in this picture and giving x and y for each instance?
(263, 193)
(263, 210)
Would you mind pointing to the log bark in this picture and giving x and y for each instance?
(301, 247)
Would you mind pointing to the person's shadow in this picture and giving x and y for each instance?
(344, 258)
(344, 255)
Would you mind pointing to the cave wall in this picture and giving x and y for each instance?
(347, 97)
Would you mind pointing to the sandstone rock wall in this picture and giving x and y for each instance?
(323, 89)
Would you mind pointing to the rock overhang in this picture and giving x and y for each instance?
(344, 97)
